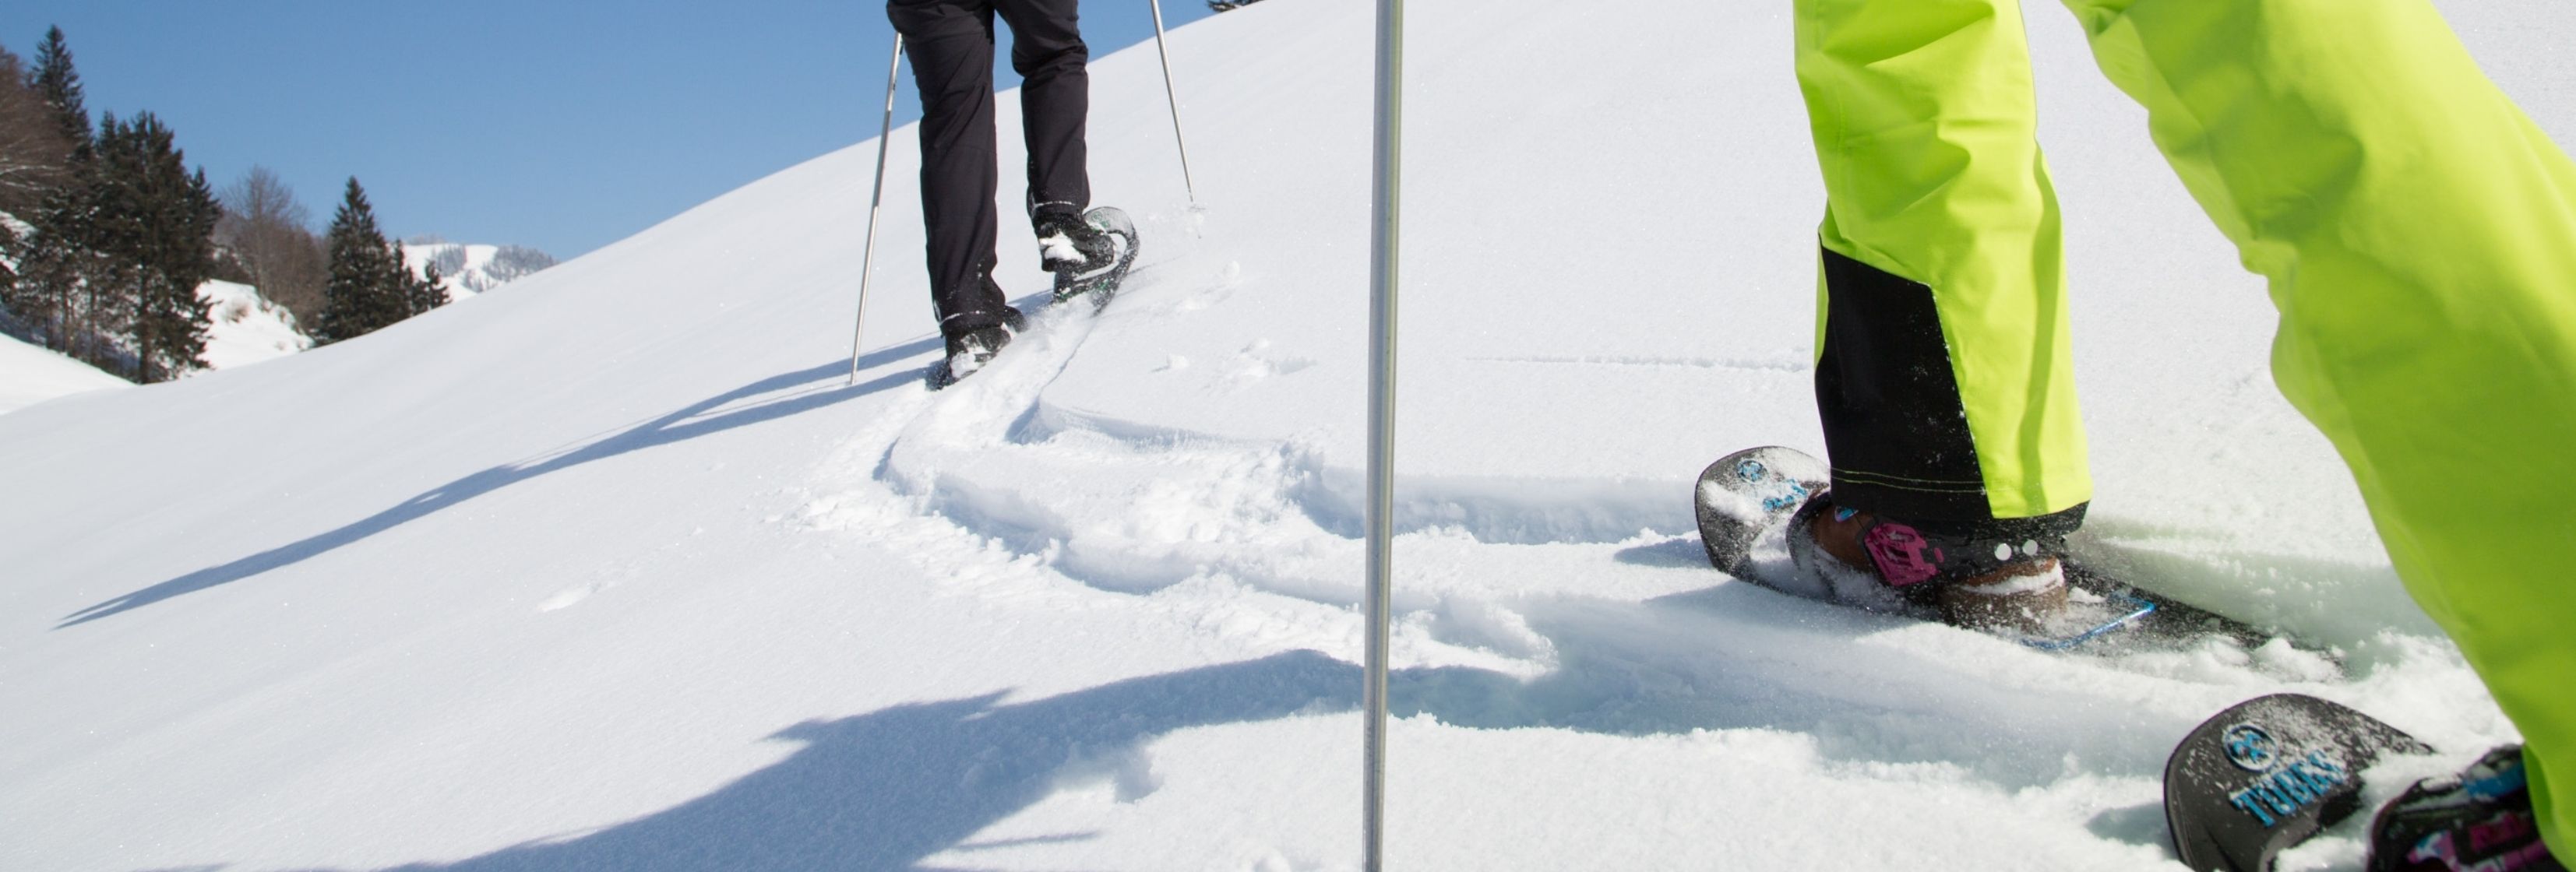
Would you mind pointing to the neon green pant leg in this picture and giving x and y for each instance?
(2419, 235)
(1925, 126)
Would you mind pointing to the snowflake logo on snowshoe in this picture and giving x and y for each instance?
(2250, 748)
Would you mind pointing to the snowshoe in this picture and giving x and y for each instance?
(1744, 501)
(1089, 254)
(2268, 773)
(1753, 507)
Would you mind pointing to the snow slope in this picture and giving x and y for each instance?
(31, 374)
(629, 572)
(245, 327)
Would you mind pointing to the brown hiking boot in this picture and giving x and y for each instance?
(1838, 532)
(2022, 592)
(2024, 597)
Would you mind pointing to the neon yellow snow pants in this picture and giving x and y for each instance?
(2417, 230)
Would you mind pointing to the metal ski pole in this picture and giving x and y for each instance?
(868, 261)
(1381, 419)
(1172, 95)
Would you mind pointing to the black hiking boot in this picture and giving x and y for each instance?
(971, 350)
(1071, 246)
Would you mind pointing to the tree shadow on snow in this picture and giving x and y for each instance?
(887, 789)
(819, 387)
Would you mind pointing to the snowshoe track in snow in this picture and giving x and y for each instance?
(1521, 602)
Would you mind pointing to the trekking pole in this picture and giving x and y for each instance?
(1173, 96)
(868, 261)
(1381, 418)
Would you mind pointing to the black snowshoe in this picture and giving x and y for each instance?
(2271, 772)
(1750, 503)
(1089, 254)
(2268, 773)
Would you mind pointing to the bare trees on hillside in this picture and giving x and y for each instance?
(34, 156)
(264, 227)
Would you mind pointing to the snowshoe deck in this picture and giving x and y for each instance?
(1749, 495)
(2266, 774)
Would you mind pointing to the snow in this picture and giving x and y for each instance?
(245, 328)
(465, 270)
(625, 572)
(31, 374)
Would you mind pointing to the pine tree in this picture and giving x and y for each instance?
(422, 292)
(156, 220)
(61, 276)
(364, 293)
(52, 274)
(61, 88)
(10, 254)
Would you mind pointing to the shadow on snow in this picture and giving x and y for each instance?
(688, 422)
(886, 789)
(889, 789)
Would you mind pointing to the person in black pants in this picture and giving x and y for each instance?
(951, 44)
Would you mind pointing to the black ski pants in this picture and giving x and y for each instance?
(951, 46)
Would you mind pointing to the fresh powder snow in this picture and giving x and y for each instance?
(624, 569)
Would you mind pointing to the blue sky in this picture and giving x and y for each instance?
(560, 124)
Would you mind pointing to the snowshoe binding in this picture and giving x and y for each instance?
(2477, 821)
(1766, 516)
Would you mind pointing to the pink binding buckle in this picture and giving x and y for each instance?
(1899, 552)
